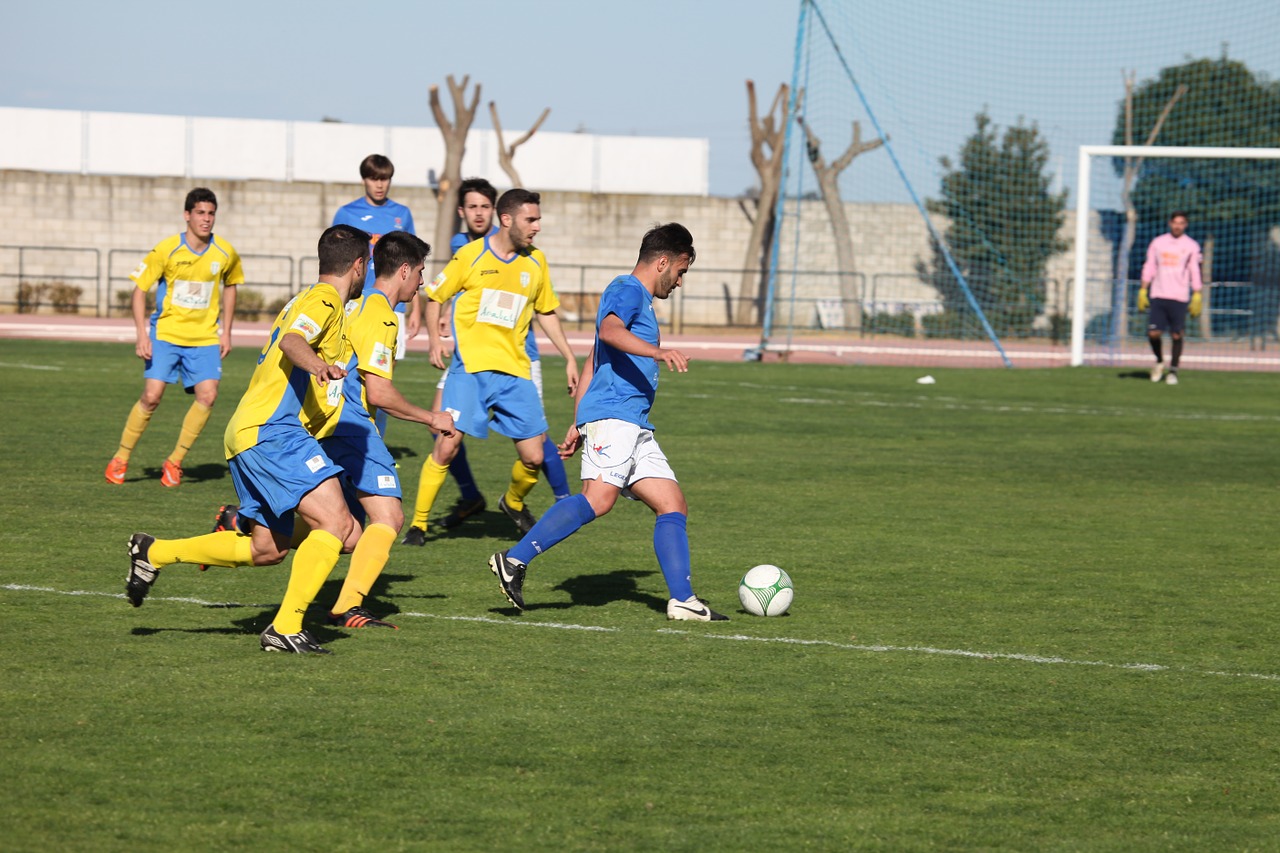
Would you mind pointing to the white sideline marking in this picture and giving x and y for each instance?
(740, 638)
(21, 366)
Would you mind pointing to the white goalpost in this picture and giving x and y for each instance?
(1079, 317)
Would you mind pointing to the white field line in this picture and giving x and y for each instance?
(740, 638)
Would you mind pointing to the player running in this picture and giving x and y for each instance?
(621, 456)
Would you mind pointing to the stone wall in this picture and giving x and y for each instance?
(111, 221)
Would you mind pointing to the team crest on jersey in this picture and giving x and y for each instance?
(214, 267)
(524, 279)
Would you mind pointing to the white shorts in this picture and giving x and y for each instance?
(621, 453)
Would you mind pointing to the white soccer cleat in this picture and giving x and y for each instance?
(693, 609)
(1157, 372)
(1172, 380)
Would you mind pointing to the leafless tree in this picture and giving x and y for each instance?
(455, 145)
(766, 155)
(1120, 302)
(506, 154)
(828, 176)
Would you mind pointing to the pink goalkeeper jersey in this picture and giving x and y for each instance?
(1172, 267)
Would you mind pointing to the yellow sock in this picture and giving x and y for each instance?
(522, 482)
(312, 562)
(192, 426)
(433, 474)
(134, 426)
(367, 562)
(225, 548)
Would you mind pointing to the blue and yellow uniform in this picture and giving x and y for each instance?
(185, 326)
(349, 435)
(623, 385)
(496, 299)
(270, 441)
(188, 288)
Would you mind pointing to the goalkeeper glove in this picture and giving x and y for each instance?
(1196, 304)
(1143, 302)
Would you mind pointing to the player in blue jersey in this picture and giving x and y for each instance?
(350, 436)
(621, 455)
(194, 275)
(377, 214)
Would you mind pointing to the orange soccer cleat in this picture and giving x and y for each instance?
(116, 469)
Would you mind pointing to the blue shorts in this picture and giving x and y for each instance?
(512, 403)
(194, 364)
(1167, 315)
(368, 468)
(273, 476)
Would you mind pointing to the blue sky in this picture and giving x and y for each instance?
(661, 67)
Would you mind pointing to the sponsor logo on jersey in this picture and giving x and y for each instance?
(382, 355)
(315, 463)
(308, 327)
(436, 282)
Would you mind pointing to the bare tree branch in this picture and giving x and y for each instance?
(506, 154)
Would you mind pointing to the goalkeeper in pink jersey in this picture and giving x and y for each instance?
(1171, 288)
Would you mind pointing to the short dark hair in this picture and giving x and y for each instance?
(1177, 213)
(198, 195)
(377, 166)
(672, 240)
(512, 200)
(341, 246)
(476, 185)
(396, 248)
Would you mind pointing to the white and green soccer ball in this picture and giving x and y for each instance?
(766, 591)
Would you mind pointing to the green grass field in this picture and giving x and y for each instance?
(1035, 610)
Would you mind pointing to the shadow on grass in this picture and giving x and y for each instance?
(597, 590)
(1135, 374)
(209, 471)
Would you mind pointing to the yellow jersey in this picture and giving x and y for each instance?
(369, 346)
(496, 304)
(188, 288)
(279, 394)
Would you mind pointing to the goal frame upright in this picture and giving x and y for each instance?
(1083, 165)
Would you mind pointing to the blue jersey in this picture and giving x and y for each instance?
(461, 239)
(376, 219)
(623, 385)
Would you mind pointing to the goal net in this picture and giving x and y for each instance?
(930, 200)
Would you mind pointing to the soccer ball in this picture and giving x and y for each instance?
(766, 591)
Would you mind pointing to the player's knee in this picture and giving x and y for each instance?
(266, 555)
(1177, 336)
(150, 400)
(350, 535)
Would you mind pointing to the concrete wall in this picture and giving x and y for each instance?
(112, 220)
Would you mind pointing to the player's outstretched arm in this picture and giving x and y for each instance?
(616, 334)
(550, 323)
(301, 355)
(386, 396)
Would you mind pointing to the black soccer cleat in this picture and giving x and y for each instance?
(414, 536)
(463, 510)
(141, 573)
(228, 518)
(358, 617)
(510, 575)
(301, 643)
(522, 517)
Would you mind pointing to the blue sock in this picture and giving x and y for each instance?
(557, 523)
(553, 467)
(461, 472)
(671, 544)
